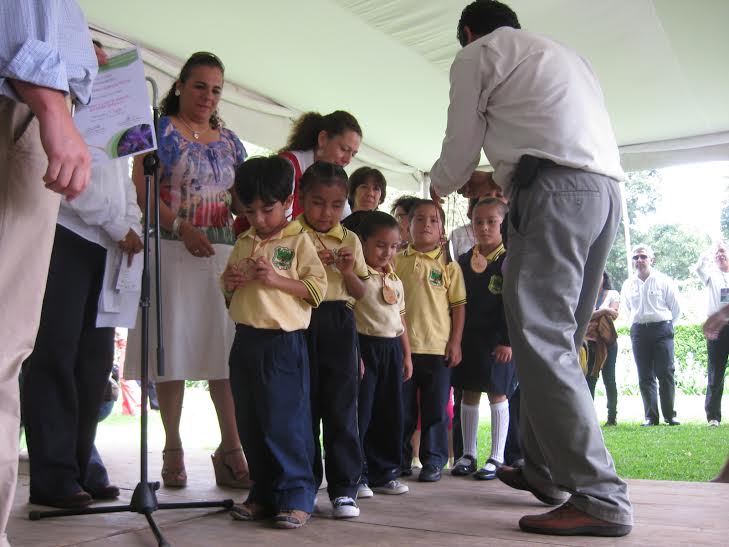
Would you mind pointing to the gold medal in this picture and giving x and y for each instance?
(478, 261)
(389, 295)
(248, 268)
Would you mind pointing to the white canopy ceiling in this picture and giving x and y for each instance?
(662, 65)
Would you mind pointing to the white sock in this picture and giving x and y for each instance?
(499, 429)
(469, 427)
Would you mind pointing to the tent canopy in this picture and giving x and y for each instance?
(662, 66)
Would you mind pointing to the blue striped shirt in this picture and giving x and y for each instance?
(46, 43)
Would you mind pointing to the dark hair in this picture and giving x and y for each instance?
(305, 132)
(484, 17)
(418, 203)
(361, 177)
(322, 172)
(405, 202)
(606, 284)
(500, 205)
(373, 221)
(267, 178)
(170, 105)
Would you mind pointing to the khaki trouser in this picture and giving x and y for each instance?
(28, 214)
(556, 255)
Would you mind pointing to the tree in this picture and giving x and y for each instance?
(676, 249)
(643, 190)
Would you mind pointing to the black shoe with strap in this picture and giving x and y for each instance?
(465, 465)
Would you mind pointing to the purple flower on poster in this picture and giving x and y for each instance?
(135, 139)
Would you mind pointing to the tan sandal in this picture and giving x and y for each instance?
(291, 519)
(250, 512)
(174, 476)
(224, 473)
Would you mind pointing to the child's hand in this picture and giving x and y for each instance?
(326, 256)
(407, 368)
(233, 278)
(502, 354)
(453, 354)
(345, 260)
(265, 272)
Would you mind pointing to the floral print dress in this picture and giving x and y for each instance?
(196, 180)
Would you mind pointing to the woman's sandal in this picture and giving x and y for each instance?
(224, 473)
(174, 475)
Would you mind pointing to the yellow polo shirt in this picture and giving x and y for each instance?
(333, 240)
(292, 255)
(373, 315)
(432, 288)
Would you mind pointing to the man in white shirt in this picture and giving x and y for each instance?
(537, 110)
(649, 300)
(716, 280)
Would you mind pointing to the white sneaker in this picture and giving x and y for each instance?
(364, 491)
(393, 487)
(416, 464)
(713, 423)
(345, 508)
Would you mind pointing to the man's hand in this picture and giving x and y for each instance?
(434, 195)
(69, 161)
(478, 185)
(131, 244)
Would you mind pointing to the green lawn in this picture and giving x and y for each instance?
(689, 452)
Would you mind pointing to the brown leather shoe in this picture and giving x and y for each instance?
(290, 519)
(567, 520)
(514, 477)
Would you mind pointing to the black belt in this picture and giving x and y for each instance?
(653, 323)
(527, 169)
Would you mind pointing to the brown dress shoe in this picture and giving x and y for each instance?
(567, 520)
(514, 477)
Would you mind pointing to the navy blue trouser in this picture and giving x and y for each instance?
(65, 376)
(718, 351)
(653, 353)
(269, 378)
(380, 408)
(433, 379)
(334, 365)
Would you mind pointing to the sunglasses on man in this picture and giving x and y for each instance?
(640, 257)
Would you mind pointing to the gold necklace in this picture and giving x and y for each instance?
(195, 134)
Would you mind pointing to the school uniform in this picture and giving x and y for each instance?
(334, 369)
(485, 328)
(379, 327)
(269, 369)
(432, 289)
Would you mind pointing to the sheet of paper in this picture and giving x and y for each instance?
(118, 121)
(130, 277)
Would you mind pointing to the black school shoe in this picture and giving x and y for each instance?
(465, 465)
(485, 474)
(429, 473)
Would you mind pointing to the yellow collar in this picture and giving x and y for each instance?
(292, 228)
(338, 232)
(435, 254)
(390, 272)
(495, 254)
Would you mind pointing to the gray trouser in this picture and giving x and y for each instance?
(567, 220)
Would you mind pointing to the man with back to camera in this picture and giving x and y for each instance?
(649, 299)
(45, 55)
(537, 110)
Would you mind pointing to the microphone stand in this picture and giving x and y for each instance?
(144, 498)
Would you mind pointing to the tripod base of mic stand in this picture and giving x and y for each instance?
(144, 502)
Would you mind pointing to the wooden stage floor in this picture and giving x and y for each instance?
(452, 512)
